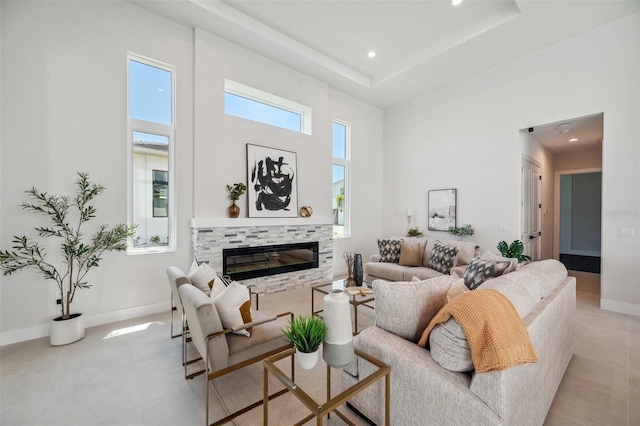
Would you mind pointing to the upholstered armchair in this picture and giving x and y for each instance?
(222, 349)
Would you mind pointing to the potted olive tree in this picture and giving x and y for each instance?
(78, 253)
(306, 334)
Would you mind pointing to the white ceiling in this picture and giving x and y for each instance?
(556, 136)
(420, 44)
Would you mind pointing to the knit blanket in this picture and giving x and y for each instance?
(496, 334)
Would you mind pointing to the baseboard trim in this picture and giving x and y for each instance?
(620, 307)
(24, 334)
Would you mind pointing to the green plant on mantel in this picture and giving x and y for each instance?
(513, 251)
(414, 232)
(79, 254)
(462, 231)
(236, 190)
(306, 333)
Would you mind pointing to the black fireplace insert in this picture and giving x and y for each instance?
(252, 262)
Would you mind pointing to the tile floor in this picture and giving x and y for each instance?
(129, 373)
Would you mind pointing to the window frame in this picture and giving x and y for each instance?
(137, 125)
(346, 163)
(257, 95)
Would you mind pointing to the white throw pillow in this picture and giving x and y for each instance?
(203, 277)
(234, 307)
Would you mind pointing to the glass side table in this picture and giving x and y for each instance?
(358, 296)
(320, 410)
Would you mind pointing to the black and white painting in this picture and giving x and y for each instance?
(272, 189)
(442, 209)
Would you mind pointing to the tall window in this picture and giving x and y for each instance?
(340, 185)
(151, 128)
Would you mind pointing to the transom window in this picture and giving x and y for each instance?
(256, 105)
(151, 128)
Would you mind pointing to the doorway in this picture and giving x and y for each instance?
(531, 208)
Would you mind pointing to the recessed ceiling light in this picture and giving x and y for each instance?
(456, 2)
(371, 54)
(574, 140)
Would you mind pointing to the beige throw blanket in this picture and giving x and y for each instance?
(495, 332)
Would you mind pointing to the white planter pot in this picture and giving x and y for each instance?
(63, 332)
(307, 360)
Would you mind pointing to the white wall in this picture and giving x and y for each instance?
(465, 136)
(64, 79)
(586, 159)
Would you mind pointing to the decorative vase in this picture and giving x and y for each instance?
(357, 269)
(338, 345)
(307, 360)
(234, 210)
(65, 331)
(306, 211)
(349, 281)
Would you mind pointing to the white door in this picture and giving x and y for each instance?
(531, 205)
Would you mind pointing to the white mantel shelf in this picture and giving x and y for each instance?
(224, 222)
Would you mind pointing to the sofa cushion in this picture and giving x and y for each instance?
(411, 253)
(481, 270)
(406, 308)
(466, 251)
(420, 272)
(449, 347)
(457, 288)
(234, 307)
(389, 249)
(442, 257)
(386, 271)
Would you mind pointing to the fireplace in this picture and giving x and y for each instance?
(251, 262)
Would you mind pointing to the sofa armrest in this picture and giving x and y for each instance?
(375, 258)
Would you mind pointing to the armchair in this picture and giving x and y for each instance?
(223, 351)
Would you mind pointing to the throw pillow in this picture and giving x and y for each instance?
(411, 254)
(442, 257)
(457, 288)
(481, 270)
(234, 307)
(406, 308)
(487, 255)
(203, 277)
(389, 250)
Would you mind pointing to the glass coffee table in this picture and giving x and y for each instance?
(358, 296)
(320, 410)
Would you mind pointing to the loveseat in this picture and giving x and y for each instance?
(402, 258)
(424, 392)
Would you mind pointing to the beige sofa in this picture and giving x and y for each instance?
(424, 392)
(392, 271)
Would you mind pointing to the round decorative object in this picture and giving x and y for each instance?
(234, 210)
(307, 360)
(357, 269)
(306, 211)
(65, 331)
(338, 345)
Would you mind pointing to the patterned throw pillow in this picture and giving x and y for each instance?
(442, 257)
(481, 270)
(389, 250)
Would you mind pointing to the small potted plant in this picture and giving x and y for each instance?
(462, 232)
(306, 334)
(513, 251)
(414, 232)
(79, 253)
(235, 191)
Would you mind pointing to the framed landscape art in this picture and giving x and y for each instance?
(442, 209)
(271, 175)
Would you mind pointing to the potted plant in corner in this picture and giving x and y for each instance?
(513, 251)
(235, 191)
(306, 334)
(78, 253)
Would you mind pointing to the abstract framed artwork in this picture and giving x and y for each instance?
(442, 209)
(271, 175)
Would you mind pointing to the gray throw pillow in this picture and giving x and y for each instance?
(406, 308)
(481, 270)
(442, 257)
(389, 249)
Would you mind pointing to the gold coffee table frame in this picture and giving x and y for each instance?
(355, 300)
(320, 410)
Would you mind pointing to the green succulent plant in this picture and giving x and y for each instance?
(513, 251)
(306, 333)
(236, 190)
(414, 232)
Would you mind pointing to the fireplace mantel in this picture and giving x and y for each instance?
(224, 222)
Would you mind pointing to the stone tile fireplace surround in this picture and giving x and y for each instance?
(211, 236)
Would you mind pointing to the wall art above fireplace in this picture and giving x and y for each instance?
(271, 176)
